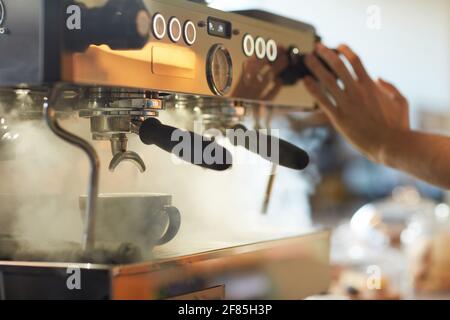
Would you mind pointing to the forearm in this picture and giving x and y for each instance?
(425, 156)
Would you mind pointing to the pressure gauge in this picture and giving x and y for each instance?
(219, 70)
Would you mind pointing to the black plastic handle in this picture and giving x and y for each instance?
(289, 156)
(120, 24)
(297, 69)
(200, 150)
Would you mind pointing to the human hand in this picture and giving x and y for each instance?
(366, 112)
(259, 78)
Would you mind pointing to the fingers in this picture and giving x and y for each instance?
(391, 89)
(325, 77)
(337, 65)
(325, 103)
(273, 91)
(356, 63)
(282, 62)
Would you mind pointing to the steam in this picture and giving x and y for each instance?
(41, 188)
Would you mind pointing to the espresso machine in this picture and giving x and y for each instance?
(142, 74)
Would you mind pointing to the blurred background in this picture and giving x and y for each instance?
(405, 42)
(382, 217)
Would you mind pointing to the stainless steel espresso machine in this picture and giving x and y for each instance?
(136, 76)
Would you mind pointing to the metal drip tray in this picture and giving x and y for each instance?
(16, 249)
(291, 268)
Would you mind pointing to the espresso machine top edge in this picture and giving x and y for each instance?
(173, 47)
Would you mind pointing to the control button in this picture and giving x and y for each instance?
(175, 30)
(294, 51)
(159, 26)
(296, 68)
(272, 50)
(190, 33)
(143, 24)
(248, 45)
(260, 48)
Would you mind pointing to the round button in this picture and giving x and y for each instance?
(294, 51)
(248, 45)
(219, 70)
(159, 26)
(143, 23)
(272, 50)
(190, 33)
(175, 30)
(260, 48)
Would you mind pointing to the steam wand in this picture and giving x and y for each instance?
(88, 240)
(273, 172)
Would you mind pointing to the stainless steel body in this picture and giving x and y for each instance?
(162, 65)
(120, 64)
(292, 268)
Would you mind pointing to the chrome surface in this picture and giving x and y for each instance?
(165, 66)
(32, 264)
(274, 262)
(104, 125)
(129, 156)
(8, 139)
(211, 264)
(113, 114)
(119, 150)
(88, 240)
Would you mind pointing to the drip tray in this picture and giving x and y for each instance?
(16, 249)
(290, 268)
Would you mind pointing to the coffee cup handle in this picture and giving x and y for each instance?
(174, 225)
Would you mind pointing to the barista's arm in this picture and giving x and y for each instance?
(425, 156)
(373, 116)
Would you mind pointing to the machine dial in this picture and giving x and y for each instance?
(175, 30)
(272, 50)
(190, 33)
(159, 26)
(248, 45)
(260, 48)
(2, 12)
(219, 70)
